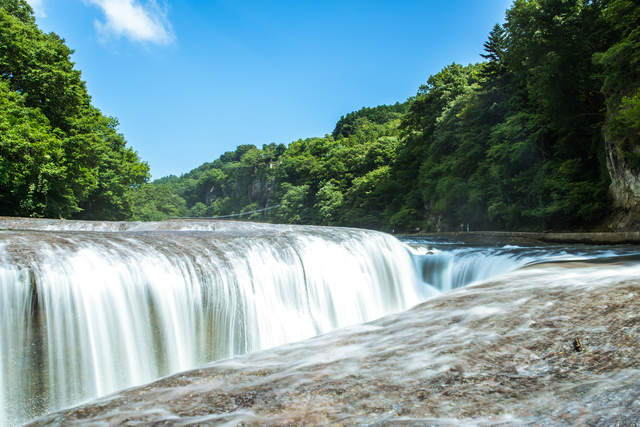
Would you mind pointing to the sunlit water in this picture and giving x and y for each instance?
(446, 264)
(85, 313)
(87, 308)
(489, 354)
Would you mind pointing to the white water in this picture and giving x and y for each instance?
(15, 306)
(443, 266)
(496, 355)
(116, 309)
(87, 308)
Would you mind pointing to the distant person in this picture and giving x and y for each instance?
(467, 228)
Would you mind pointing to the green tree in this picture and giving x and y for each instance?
(621, 87)
(38, 65)
(293, 209)
(154, 203)
(551, 46)
(32, 173)
(496, 49)
(430, 134)
(329, 204)
(84, 168)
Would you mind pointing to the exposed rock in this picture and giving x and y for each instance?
(257, 190)
(499, 353)
(622, 218)
(261, 189)
(239, 188)
(211, 196)
(624, 190)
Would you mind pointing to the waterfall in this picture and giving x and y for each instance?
(88, 308)
(445, 265)
(15, 307)
(447, 270)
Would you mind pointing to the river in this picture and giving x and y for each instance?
(89, 308)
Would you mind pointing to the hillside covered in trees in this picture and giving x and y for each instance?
(544, 134)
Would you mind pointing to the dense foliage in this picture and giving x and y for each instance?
(333, 181)
(620, 64)
(515, 142)
(59, 156)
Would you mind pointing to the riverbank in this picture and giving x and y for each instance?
(520, 237)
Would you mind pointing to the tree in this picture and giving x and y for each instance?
(550, 50)
(495, 48)
(292, 208)
(154, 203)
(38, 66)
(621, 87)
(329, 203)
(32, 173)
(83, 168)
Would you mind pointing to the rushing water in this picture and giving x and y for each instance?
(87, 308)
(90, 308)
(498, 353)
(446, 264)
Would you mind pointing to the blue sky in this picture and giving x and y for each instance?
(191, 79)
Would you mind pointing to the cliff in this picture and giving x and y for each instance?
(625, 185)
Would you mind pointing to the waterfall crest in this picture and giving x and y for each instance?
(87, 308)
(442, 266)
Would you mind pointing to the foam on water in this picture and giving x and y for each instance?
(87, 308)
(86, 313)
(472, 357)
(446, 265)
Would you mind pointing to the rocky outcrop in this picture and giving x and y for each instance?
(553, 344)
(624, 189)
(261, 189)
(210, 196)
(625, 183)
(257, 190)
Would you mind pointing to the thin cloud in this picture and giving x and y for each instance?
(38, 7)
(131, 19)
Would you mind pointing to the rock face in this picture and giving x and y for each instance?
(500, 353)
(261, 189)
(624, 190)
(257, 190)
(625, 185)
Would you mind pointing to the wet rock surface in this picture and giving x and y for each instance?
(498, 353)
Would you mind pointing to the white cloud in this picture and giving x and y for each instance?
(38, 7)
(131, 19)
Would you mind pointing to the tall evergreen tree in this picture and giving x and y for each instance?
(495, 48)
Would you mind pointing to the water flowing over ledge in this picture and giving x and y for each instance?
(87, 308)
(495, 353)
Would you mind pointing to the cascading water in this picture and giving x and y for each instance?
(90, 308)
(15, 301)
(87, 308)
(443, 265)
(495, 354)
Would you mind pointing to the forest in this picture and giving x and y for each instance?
(543, 134)
(59, 156)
